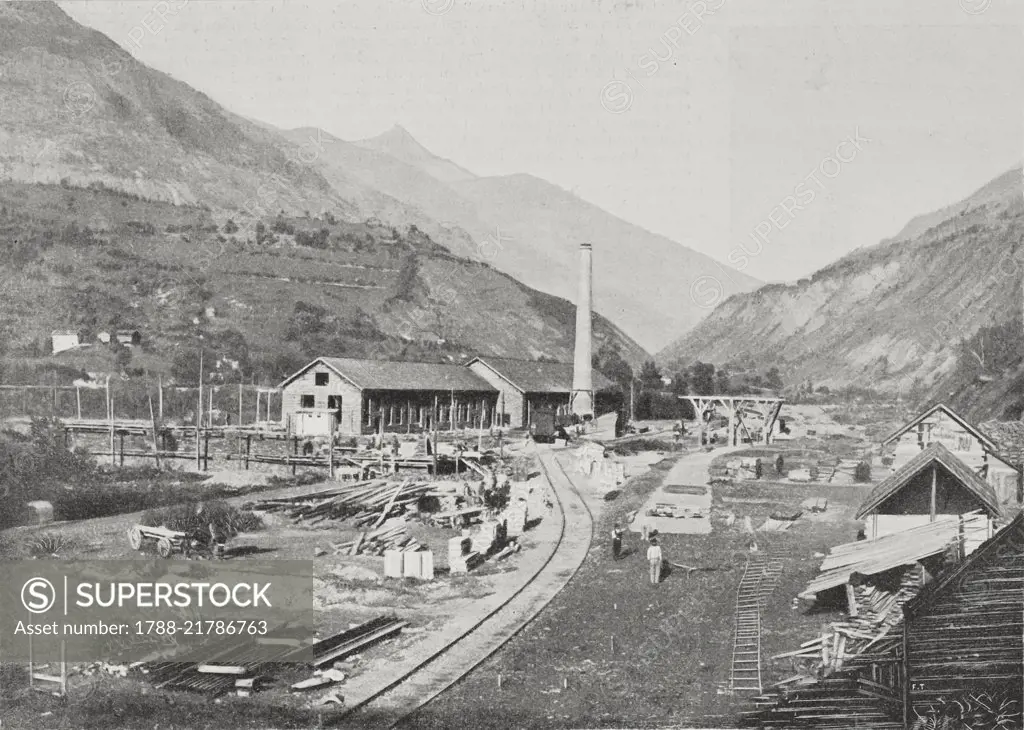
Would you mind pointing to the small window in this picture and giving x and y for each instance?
(322, 378)
(308, 401)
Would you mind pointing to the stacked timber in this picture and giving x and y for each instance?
(392, 535)
(364, 503)
(870, 633)
(836, 703)
(239, 666)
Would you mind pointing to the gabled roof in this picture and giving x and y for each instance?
(973, 430)
(870, 557)
(1012, 533)
(1009, 439)
(64, 333)
(533, 376)
(395, 375)
(934, 454)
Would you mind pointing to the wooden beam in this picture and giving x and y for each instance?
(851, 600)
(935, 482)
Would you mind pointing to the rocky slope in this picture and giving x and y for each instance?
(886, 317)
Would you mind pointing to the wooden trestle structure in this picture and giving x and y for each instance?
(735, 407)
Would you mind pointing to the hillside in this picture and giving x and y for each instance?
(96, 260)
(891, 317)
(79, 109)
(637, 281)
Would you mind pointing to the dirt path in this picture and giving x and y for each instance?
(448, 655)
(690, 470)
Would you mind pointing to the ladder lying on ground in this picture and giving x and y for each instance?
(760, 576)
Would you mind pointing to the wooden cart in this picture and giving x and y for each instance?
(167, 541)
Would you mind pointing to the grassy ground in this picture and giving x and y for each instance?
(672, 642)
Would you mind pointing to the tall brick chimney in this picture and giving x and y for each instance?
(582, 380)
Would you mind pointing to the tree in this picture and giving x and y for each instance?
(679, 385)
(230, 227)
(722, 382)
(773, 379)
(609, 362)
(650, 377)
(702, 378)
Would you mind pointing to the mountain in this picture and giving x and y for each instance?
(893, 317)
(398, 143)
(80, 110)
(122, 193)
(530, 228)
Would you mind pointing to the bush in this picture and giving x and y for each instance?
(183, 518)
(49, 544)
(862, 472)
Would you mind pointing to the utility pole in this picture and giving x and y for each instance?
(199, 411)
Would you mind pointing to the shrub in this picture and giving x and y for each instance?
(862, 472)
(49, 544)
(183, 518)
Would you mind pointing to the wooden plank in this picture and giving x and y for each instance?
(221, 669)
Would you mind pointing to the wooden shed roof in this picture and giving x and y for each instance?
(1009, 439)
(935, 454)
(967, 426)
(534, 376)
(871, 557)
(397, 375)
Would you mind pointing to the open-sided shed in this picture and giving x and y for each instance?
(932, 485)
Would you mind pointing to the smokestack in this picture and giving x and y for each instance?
(582, 381)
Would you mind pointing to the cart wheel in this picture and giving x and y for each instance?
(163, 547)
(135, 537)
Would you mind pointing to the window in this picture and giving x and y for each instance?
(334, 402)
(307, 401)
(322, 378)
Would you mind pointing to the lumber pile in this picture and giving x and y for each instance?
(364, 503)
(238, 668)
(868, 634)
(392, 535)
(836, 702)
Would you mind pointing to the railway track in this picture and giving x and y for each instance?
(410, 691)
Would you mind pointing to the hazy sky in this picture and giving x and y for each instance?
(696, 128)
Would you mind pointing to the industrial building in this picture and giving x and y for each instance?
(350, 397)
(527, 386)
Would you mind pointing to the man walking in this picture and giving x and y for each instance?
(616, 541)
(654, 560)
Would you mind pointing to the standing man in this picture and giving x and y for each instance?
(654, 560)
(616, 541)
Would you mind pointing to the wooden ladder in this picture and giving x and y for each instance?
(760, 576)
(39, 680)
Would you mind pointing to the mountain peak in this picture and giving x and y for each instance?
(400, 144)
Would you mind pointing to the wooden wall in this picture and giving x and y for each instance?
(305, 384)
(970, 638)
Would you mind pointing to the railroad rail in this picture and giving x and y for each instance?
(412, 690)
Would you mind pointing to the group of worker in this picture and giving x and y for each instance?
(655, 557)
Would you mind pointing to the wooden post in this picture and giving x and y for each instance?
(63, 669)
(248, 448)
(199, 414)
(206, 450)
(110, 414)
(935, 481)
(78, 402)
(851, 600)
(121, 449)
(160, 397)
(433, 422)
(295, 451)
(152, 418)
(55, 404)
(330, 453)
(451, 413)
(239, 404)
(209, 408)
